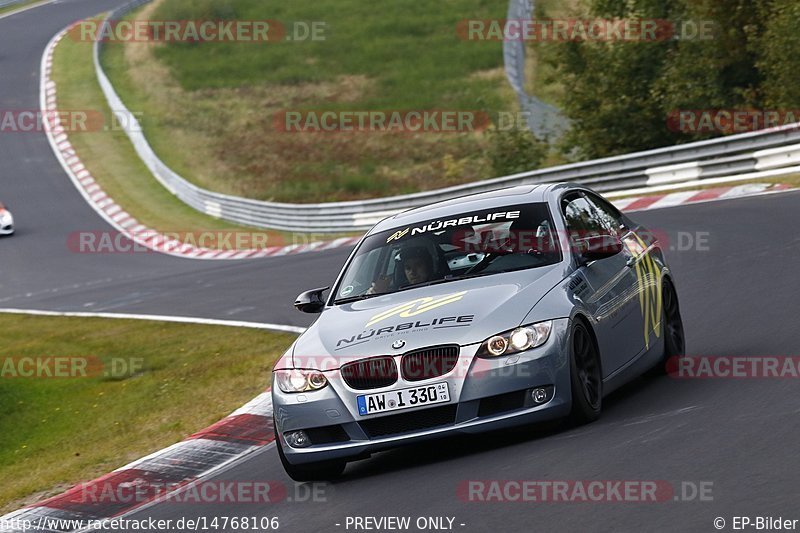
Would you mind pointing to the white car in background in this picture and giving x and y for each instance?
(6, 221)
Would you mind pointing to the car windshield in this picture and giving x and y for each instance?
(457, 246)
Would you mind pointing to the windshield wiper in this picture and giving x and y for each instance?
(447, 279)
(359, 297)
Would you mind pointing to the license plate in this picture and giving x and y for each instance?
(380, 402)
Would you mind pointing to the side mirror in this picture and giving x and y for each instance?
(311, 301)
(600, 247)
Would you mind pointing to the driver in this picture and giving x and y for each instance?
(417, 266)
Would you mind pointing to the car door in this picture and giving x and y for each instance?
(613, 296)
(639, 244)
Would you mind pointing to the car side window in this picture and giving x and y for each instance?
(581, 218)
(607, 213)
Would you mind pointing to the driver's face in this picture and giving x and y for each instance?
(417, 270)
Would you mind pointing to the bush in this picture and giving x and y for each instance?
(514, 150)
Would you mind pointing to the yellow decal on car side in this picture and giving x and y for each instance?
(648, 277)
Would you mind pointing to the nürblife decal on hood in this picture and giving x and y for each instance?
(367, 335)
(408, 310)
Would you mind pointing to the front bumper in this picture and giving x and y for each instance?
(485, 394)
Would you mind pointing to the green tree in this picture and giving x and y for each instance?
(719, 72)
(611, 99)
(622, 93)
(779, 55)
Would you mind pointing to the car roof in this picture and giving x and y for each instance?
(474, 202)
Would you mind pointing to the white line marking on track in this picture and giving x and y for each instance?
(28, 8)
(161, 318)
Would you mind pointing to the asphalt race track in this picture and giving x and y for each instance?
(738, 293)
(38, 271)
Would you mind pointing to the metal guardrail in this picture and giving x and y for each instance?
(731, 155)
(544, 120)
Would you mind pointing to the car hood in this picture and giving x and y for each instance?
(459, 312)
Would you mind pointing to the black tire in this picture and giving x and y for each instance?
(585, 375)
(674, 339)
(321, 471)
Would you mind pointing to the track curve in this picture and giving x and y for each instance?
(38, 271)
(738, 297)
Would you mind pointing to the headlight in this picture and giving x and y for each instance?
(298, 380)
(516, 340)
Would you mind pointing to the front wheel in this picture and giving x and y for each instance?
(321, 471)
(585, 375)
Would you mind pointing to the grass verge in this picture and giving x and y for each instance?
(56, 432)
(109, 155)
(21, 5)
(208, 109)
